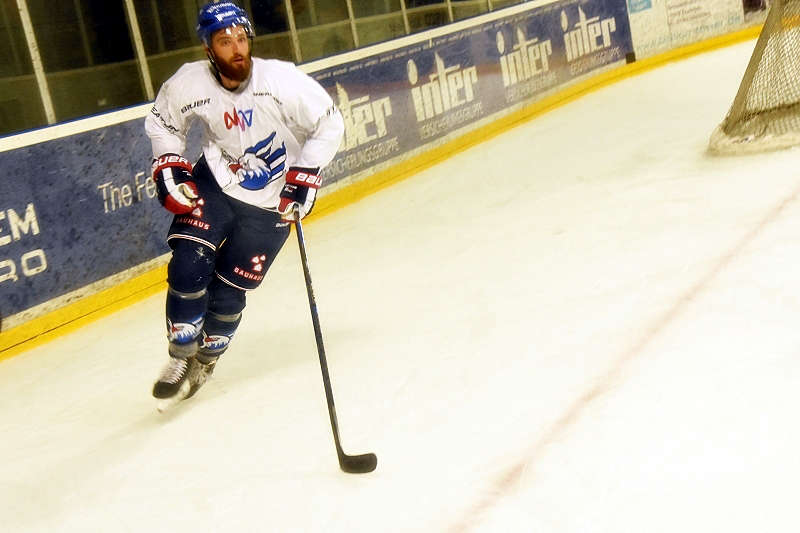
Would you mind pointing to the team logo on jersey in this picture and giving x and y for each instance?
(260, 165)
(243, 119)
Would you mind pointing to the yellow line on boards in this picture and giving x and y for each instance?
(78, 314)
(97, 306)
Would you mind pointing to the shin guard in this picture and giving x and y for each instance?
(185, 317)
(218, 332)
(224, 315)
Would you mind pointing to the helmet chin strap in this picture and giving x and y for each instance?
(214, 68)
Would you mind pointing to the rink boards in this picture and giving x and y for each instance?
(81, 229)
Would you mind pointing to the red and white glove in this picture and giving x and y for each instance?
(299, 192)
(175, 186)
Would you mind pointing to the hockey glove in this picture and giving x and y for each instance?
(176, 189)
(299, 192)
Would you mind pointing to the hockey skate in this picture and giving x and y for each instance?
(180, 380)
(199, 372)
(174, 383)
(173, 378)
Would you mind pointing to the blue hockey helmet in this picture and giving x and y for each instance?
(219, 15)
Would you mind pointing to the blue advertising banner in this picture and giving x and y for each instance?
(78, 209)
(402, 99)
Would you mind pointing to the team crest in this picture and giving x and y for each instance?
(260, 165)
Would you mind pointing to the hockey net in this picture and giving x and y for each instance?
(765, 114)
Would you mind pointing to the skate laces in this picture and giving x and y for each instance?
(174, 370)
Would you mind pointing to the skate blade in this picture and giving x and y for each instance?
(165, 404)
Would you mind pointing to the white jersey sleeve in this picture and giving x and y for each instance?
(166, 125)
(310, 114)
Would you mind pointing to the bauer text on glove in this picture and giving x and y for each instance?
(300, 191)
(176, 189)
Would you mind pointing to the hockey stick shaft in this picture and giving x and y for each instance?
(352, 464)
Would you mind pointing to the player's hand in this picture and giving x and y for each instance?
(299, 192)
(176, 189)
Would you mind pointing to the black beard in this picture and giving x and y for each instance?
(238, 73)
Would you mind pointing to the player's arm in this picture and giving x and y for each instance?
(172, 173)
(310, 108)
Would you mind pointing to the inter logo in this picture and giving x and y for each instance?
(364, 119)
(587, 35)
(525, 60)
(447, 87)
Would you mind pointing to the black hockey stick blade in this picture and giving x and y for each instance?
(358, 464)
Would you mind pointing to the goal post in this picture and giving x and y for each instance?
(765, 114)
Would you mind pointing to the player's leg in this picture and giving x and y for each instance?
(194, 239)
(189, 272)
(242, 262)
(222, 319)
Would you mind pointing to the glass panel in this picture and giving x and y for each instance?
(321, 41)
(497, 4)
(87, 54)
(309, 13)
(166, 24)
(14, 57)
(423, 14)
(378, 20)
(168, 36)
(274, 46)
(268, 16)
(468, 8)
(323, 27)
(380, 28)
(368, 8)
(273, 39)
(20, 105)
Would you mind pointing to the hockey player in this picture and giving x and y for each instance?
(268, 130)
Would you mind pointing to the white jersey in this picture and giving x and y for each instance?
(279, 118)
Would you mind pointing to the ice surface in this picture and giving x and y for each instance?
(584, 324)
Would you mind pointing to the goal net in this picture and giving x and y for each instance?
(765, 114)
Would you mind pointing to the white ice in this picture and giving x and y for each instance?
(584, 324)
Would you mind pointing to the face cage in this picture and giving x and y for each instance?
(248, 30)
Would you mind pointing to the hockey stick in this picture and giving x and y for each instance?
(352, 464)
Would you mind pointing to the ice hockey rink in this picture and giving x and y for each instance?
(585, 324)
